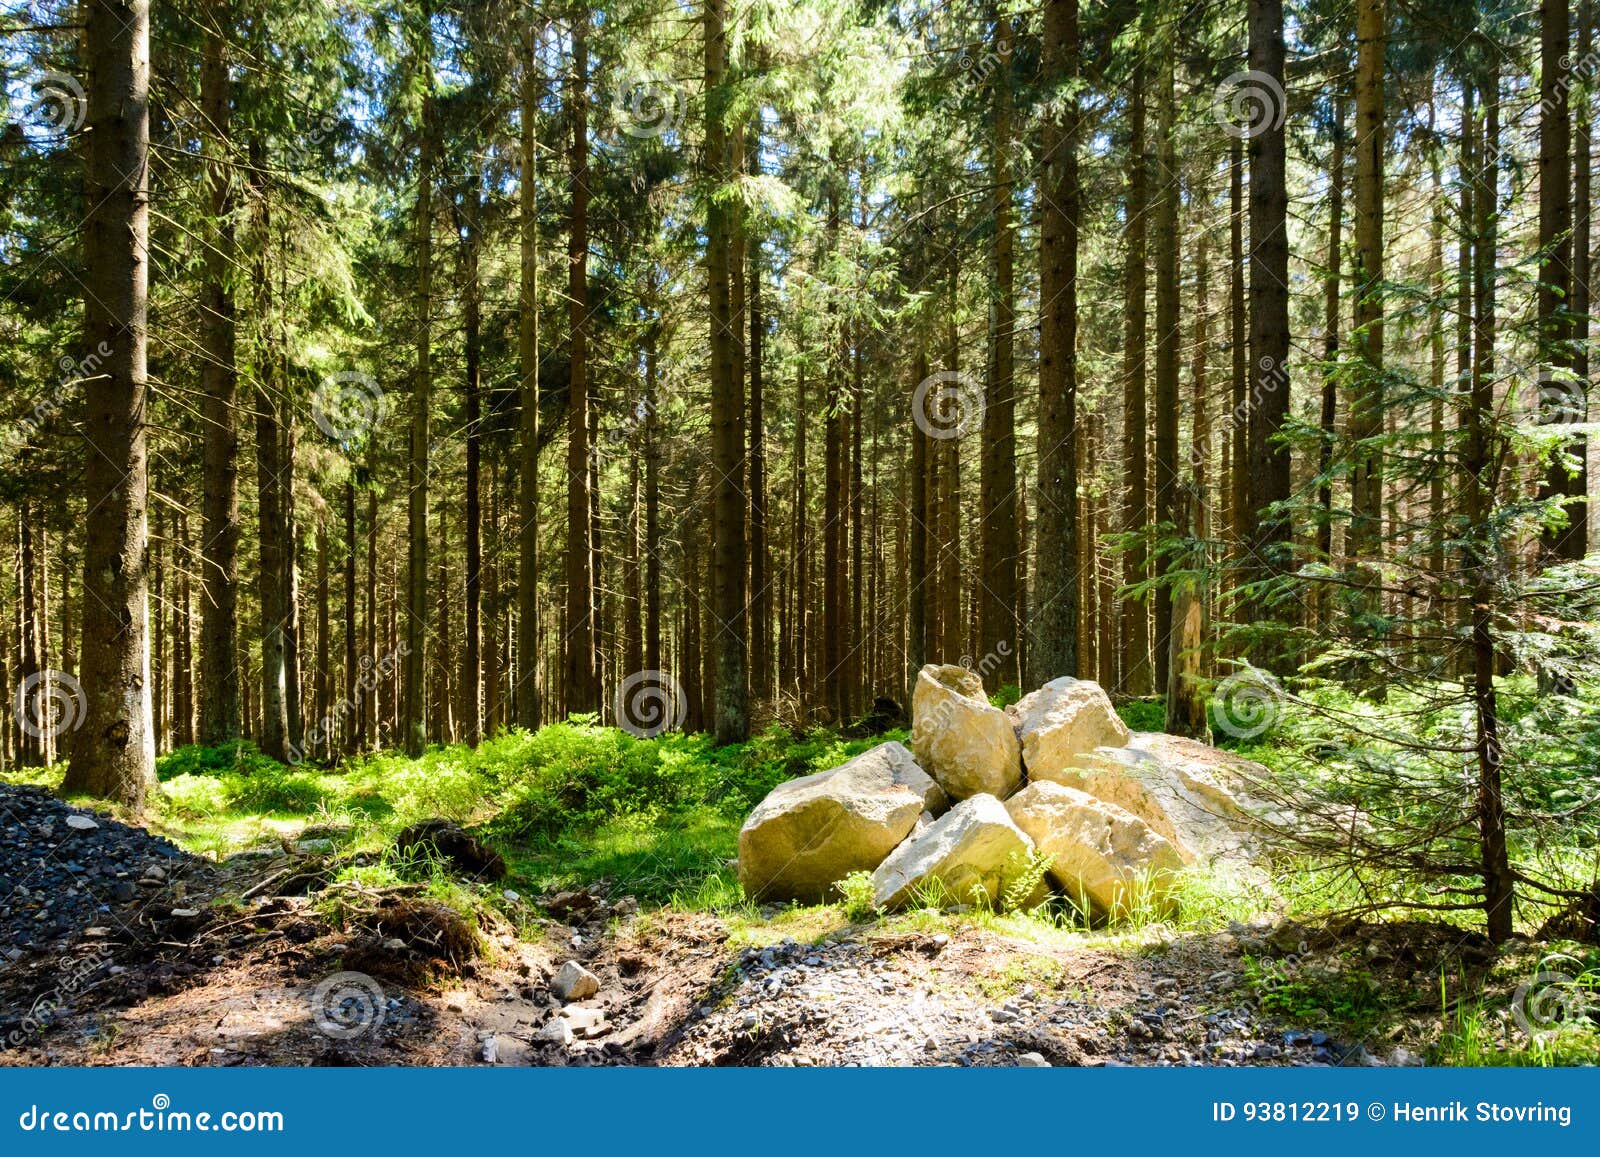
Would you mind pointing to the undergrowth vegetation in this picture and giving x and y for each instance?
(577, 802)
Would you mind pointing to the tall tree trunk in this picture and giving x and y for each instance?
(1168, 340)
(1268, 462)
(953, 642)
(158, 642)
(632, 581)
(853, 488)
(800, 538)
(918, 600)
(1582, 262)
(354, 712)
(732, 723)
(415, 709)
(1185, 703)
(997, 616)
(1366, 409)
(1564, 400)
(760, 570)
(1332, 322)
(833, 545)
(32, 741)
(1239, 347)
(1137, 674)
(1054, 649)
(113, 754)
(526, 677)
(471, 690)
(652, 500)
(370, 738)
(582, 691)
(493, 611)
(274, 560)
(1484, 552)
(322, 676)
(293, 653)
(220, 718)
(1436, 356)
(183, 636)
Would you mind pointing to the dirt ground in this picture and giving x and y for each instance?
(271, 982)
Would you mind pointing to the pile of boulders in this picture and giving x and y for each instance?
(987, 794)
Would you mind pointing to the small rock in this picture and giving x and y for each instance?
(574, 982)
(491, 1050)
(1032, 1061)
(557, 1031)
(81, 823)
(587, 1023)
(185, 913)
(314, 847)
(154, 872)
(510, 896)
(394, 944)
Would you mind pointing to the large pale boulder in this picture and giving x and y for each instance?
(1098, 851)
(965, 743)
(1193, 795)
(1062, 720)
(973, 847)
(813, 831)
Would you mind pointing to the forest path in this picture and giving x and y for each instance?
(122, 949)
(677, 989)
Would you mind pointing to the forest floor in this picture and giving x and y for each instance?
(233, 963)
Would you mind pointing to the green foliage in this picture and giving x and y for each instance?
(1006, 695)
(1027, 883)
(855, 891)
(1143, 714)
(1349, 997)
(267, 790)
(241, 757)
